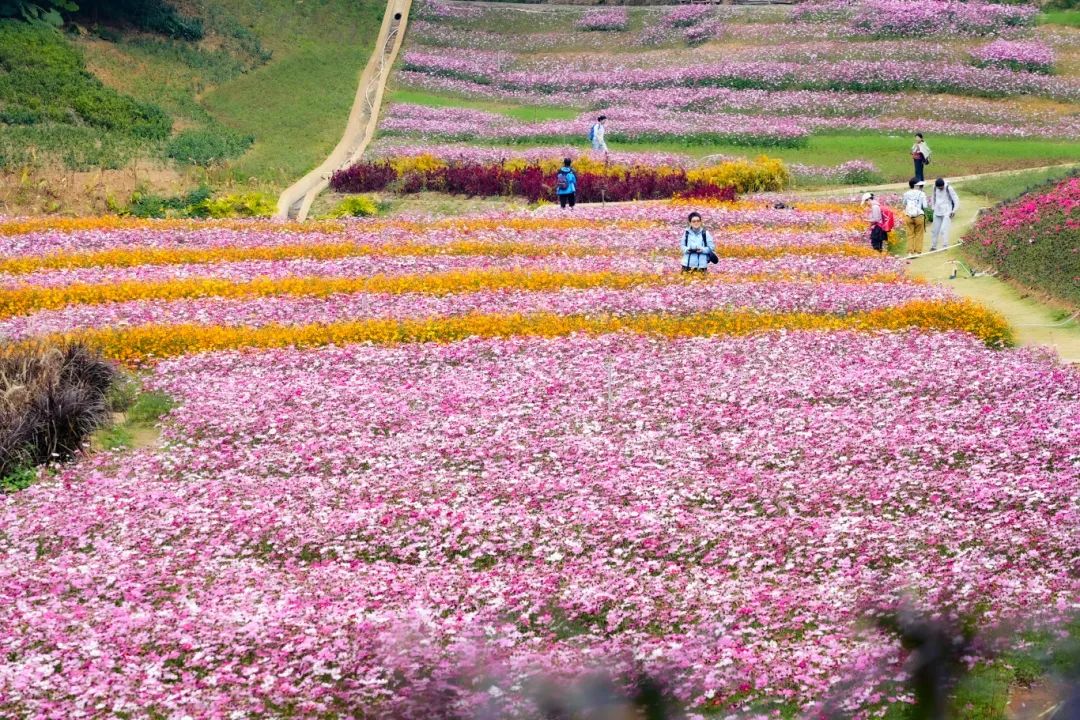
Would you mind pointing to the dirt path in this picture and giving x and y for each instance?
(902, 186)
(1035, 323)
(296, 201)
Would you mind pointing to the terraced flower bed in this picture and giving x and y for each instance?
(550, 451)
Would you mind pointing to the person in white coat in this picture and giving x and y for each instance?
(944, 203)
(596, 134)
(920, 154)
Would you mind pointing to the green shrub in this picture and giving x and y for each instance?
(208, 146)
(252, 204)
(17, 480)
(148, 205)
(154, 15)
(355, 206)
(123, 393)
(42, 77)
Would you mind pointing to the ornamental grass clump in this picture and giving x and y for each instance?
(52, 397)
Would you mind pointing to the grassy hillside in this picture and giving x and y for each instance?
(260, 98)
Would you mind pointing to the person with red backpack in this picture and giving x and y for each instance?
(566, 185)
(882, 221)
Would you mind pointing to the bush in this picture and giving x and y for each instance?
(51, 399)
(154, 15)
(356, 206)
(252, 204)
(208, 146)
(764, 174)
(1034, 239)
(43, 79)
(146, 205)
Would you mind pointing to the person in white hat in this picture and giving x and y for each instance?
(915, 205)
(878, 236)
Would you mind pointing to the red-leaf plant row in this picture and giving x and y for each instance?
(531, 182)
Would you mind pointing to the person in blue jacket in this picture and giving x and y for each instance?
(566, 185)
(696, 243)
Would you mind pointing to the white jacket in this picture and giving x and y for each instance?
(914, 202)
(945, 200)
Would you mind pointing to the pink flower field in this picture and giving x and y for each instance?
(435, 529)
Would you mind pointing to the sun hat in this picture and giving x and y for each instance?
(920, 183)
(865, 197)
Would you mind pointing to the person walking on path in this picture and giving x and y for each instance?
(920, 153)
(697, 245)
(566, 185)
(915, 205)
(944, 203)
(596, 134)
(878, 236)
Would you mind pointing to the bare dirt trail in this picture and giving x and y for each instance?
(296, 201)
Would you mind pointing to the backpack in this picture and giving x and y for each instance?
(562, 183)
(888, 220)
(592, 132)
(712, 257)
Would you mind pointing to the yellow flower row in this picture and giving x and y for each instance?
(22, 226)
(138, 345)
(26, 299)
(133, 257)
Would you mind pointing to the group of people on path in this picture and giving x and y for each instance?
(942, 206)
(698, 246)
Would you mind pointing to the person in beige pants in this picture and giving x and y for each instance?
(915, 205)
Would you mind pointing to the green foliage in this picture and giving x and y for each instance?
(115, 437)
(251, 204)
(73, 147)
(1068, 18)
(153, 15)
(1008, 187)
(208, 146)
(42, 79)
(355, 206)
(17, 480)
(148, 205)
(44, 11)
(123, 393)
(149, 407)
(1033, 239)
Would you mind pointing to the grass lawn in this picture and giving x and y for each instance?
(296, 106)
(999, 189)
(953, 155)
(524, 113)
(1070, 18)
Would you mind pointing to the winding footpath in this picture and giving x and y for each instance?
(295, 202)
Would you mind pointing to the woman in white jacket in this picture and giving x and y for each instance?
(920, 153)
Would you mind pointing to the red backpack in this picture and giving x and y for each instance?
(888, 219)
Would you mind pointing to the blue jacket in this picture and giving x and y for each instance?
(693, 245)
(571, 181)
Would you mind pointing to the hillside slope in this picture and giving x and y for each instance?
(258, 100)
